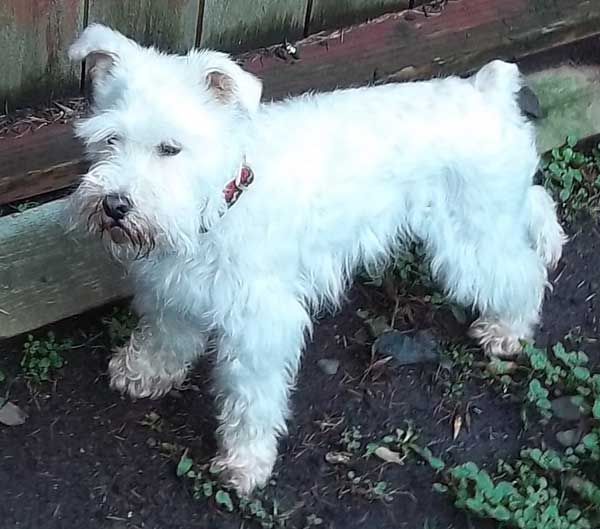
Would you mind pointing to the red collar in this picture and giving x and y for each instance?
(238, 185)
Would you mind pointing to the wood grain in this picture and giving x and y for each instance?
(47, 160)
(45, 275)
(234, 25)
(462, 38)
(168, 24)
(34, 37)
(339, 13)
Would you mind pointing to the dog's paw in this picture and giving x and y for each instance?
(496, 339)
(244, 471)
(132, 373)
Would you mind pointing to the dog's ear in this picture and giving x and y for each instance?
(229, 83)
(101, 48)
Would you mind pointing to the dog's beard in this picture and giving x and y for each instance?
(130, 238)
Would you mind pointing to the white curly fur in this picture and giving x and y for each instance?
(341, 179)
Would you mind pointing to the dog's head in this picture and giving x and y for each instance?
(165, 135)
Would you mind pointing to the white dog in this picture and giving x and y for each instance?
(238, 219)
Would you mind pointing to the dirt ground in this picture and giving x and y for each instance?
(87, 458)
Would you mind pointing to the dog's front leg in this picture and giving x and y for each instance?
(256, 369)
(157, 356)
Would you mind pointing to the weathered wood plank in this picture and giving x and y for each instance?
(339, 13)
(169, 24)
(234, 25)
(463, 37)
(34, 36)
(47, 160)
(45, 275)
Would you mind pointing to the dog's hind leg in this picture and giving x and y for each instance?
(520, 278)
(547, 235)
(501, 275)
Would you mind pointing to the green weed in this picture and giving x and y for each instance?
(544, 488)
(372, 490)
(456, 370)
(351, 439)
(574, 179)
(24, 206)
(205, 486)
(41, 358)
(121, 324)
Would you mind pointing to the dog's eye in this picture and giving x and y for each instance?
(168, 149)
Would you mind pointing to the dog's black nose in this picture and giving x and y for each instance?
(116, 206)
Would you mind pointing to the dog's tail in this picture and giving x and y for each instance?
(547, 235)
(498, 76)
(501, 84)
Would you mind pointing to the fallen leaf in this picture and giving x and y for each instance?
(381, 363)
(419, 348)
(361, 336)
(497, 367)
(468, 417)
(389, 456)
(223, 498)
(568, 408)
(12, 415)
(408, 72)
(377, 326)
(329, 366)
(457, 426)
(338, 458)
(569, 437)
(184, 465)
(459, 313)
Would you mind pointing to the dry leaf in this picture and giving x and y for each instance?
(468, 418)
(389, 456)
(497, 367)
(338, 458)
(12, 415)
(457, 426)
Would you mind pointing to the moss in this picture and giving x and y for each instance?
(570, 99)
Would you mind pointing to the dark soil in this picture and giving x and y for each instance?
(87, 458)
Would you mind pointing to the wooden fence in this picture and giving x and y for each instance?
(34, 34)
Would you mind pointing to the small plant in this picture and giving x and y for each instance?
(121, 324)
(205, 485)
(574, 179)
(372, 490)
(312, 520)
(564, 373)
(412, 266)
(524, 497)
(351, 439)
(456, 369)
(42, 357)
(397, 446)
(544, 488)
(24, 206)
